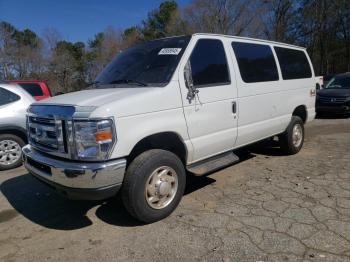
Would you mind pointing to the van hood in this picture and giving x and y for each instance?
(123, 101)
(336, 92)
(96, 97)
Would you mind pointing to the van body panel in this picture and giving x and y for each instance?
(211, 123)
(264, 109)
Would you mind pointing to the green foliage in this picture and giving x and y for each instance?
(163, 15)
(155, 25)
(75, 51)
(97, 42)
(26, 38)
(7, 27)
(131, 31)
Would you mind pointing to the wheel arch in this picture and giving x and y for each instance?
(301, 112)
(17, 131)
(169, 141)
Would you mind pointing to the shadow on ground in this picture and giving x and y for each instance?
(45, 207)
(269, 147)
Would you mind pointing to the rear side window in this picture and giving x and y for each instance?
(33, 89)
(209, 64)
(7, 97)
(256, 62)
(293, 63)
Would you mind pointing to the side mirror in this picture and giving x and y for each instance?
(192, 91)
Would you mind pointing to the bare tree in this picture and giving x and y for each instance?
(62, 68)
(280, 18)
(111, 45)
(6, 49)
(102, 50)
(342, 10)
(51, 37)
(20, 52)
(237, 17)
(178, 25)
(131, 36)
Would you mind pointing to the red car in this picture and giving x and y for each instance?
(38, 89)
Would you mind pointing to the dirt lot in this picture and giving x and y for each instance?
(266, 208)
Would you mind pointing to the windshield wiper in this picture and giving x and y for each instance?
(128, 81)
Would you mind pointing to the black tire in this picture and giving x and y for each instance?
(286, 139)
(137, 175)
(20, 142)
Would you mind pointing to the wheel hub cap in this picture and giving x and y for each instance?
(164, 188)
(10, 152)
(297, 135)
(161, 187)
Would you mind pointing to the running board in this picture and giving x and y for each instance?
(212, 164)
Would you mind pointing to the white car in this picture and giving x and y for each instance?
(167, 106)
(14, 102)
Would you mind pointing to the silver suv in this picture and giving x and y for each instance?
(14, 102)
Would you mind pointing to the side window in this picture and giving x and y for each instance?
(7, 97)
(33, 89)
(256, 62)
(293, 63)
(209, 64)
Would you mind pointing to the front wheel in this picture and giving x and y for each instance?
(10, 151)
(153, 185)
(292, 140)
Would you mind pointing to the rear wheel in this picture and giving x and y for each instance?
(10, 151)
(153, 185)
(292, 140)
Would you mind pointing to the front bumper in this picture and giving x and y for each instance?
(337, 109)
(76, 180)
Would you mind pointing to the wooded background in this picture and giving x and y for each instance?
(323, 26)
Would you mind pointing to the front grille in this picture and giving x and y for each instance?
(50, 128)
(47, 134)
(337, 100)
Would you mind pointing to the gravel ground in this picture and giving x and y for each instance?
(268, 207)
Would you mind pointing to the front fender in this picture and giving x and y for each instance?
(132, 129)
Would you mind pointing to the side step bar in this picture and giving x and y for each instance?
(213, 163)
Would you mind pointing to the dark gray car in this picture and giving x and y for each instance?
(335, 97)
(14, 102)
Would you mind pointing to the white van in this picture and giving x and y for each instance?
(166, 106)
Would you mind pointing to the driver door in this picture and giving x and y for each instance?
(210, 111)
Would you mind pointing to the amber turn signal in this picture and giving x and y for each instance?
(103, 136)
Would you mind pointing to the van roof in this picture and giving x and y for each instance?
(250, 39)
(235, 37)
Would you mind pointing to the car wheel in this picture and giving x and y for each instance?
(291, 141)
(10, 151)
(153, 185)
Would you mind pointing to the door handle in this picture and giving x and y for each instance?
(234, 107)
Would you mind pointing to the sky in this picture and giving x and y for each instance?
(76, 20)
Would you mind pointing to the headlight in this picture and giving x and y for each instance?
(94, 140)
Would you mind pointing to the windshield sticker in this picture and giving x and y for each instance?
(170, 51)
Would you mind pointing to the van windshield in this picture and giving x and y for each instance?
(147, 64)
